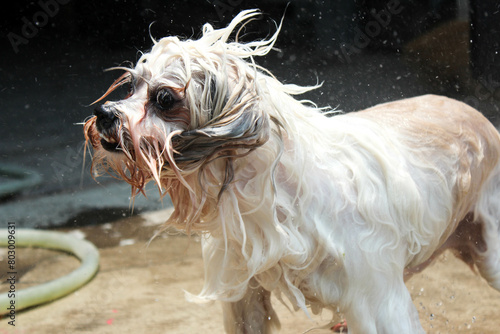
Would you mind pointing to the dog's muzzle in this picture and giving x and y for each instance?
(107, 124)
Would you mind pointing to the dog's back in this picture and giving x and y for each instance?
(443, 140)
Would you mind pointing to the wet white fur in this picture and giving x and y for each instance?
(326, 211)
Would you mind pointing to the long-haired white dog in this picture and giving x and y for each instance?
(331, 211)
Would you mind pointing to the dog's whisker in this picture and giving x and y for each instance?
(124, 78)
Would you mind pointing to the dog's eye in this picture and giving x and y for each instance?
(164, 99)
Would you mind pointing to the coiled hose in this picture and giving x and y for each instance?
(82, 249)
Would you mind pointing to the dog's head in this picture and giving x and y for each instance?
(193, 110)
(190, 103)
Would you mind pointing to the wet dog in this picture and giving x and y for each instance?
(329, 210)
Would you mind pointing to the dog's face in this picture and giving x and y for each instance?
(189, 103)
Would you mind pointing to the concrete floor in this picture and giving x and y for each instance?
(140, 286)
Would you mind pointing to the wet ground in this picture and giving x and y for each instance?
(140, 289)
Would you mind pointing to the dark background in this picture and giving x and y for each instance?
(53, 56)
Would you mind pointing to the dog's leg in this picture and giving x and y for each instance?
(380, 303)
(486, 253)
(253, 314)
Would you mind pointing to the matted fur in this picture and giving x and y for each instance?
(328, 211)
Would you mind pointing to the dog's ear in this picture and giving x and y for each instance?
(235, 126)
(238, 129)
(230, 120)
(214, 97)
(217, 91)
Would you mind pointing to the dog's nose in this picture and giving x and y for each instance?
(106, 118)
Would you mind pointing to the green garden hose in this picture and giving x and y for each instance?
(82, 249)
